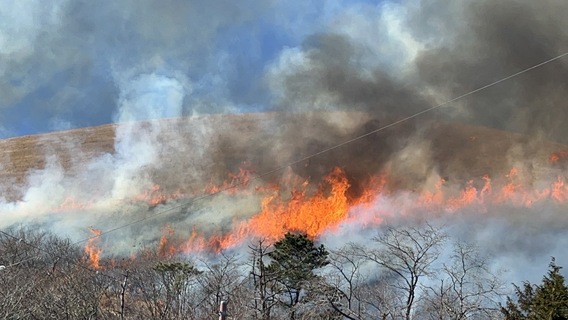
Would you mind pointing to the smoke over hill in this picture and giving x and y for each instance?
(490, 165)
(467, 177)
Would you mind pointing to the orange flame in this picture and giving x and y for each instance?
(166, 248)
(467, 197)
(314, 213)
(300, 212)
(297, 205)
(559, 190)
(555, 157)
(154, 196)
(71, 204)
(92, 250)
(241, 179)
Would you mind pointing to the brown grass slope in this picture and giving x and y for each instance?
(410, 151)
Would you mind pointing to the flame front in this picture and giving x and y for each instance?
(92, 248)
(311, 215)
(296, 204)
(330, 206)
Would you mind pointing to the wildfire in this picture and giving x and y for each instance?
(71, 204)
(330, 206)
(155, 196)
(92, 248)
(309, 214)
(296, 204)
(559, 190)
(241, 179)
(555, 157)
(166, 248)
(152, 196)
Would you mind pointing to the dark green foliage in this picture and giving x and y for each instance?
(175, 275)
(293, 260)
(295, 257)
(176, 267)
(547, 301)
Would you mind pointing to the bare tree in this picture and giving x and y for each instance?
(404, 256)
(266, 289)
(358, 293)
(46, 278)
(166, 289)
(15, 293)
(317, 301)
(467, 288)
(224, 281)
(348, 281)
(19, 280)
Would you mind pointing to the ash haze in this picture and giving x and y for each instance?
(71, 64)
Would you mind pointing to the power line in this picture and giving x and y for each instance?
(50, 254)
(24, 242)
(277, 169)
(257, 177)
(426, 110)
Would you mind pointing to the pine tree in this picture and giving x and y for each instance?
(548, 301)
(294, 258)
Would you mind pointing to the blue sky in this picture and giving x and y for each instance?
(67, 58)
(75, 63)
(67, 64)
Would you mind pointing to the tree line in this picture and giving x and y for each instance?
(401, 273)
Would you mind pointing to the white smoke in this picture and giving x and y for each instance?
(22, 22)
(387, 60)
(143, 98)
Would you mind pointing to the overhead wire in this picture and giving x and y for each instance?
(277, 169)
(280, 168)
(49, 254)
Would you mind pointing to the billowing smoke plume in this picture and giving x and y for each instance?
(402, 58)
(323, 74)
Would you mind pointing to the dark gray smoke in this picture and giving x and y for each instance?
(350, 68)
(494, 39)
(438, 50)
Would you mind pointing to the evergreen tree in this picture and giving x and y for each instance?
(548, 301)
(294, 258)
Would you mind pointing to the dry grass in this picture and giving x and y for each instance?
(19, 155)
(457, 152)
